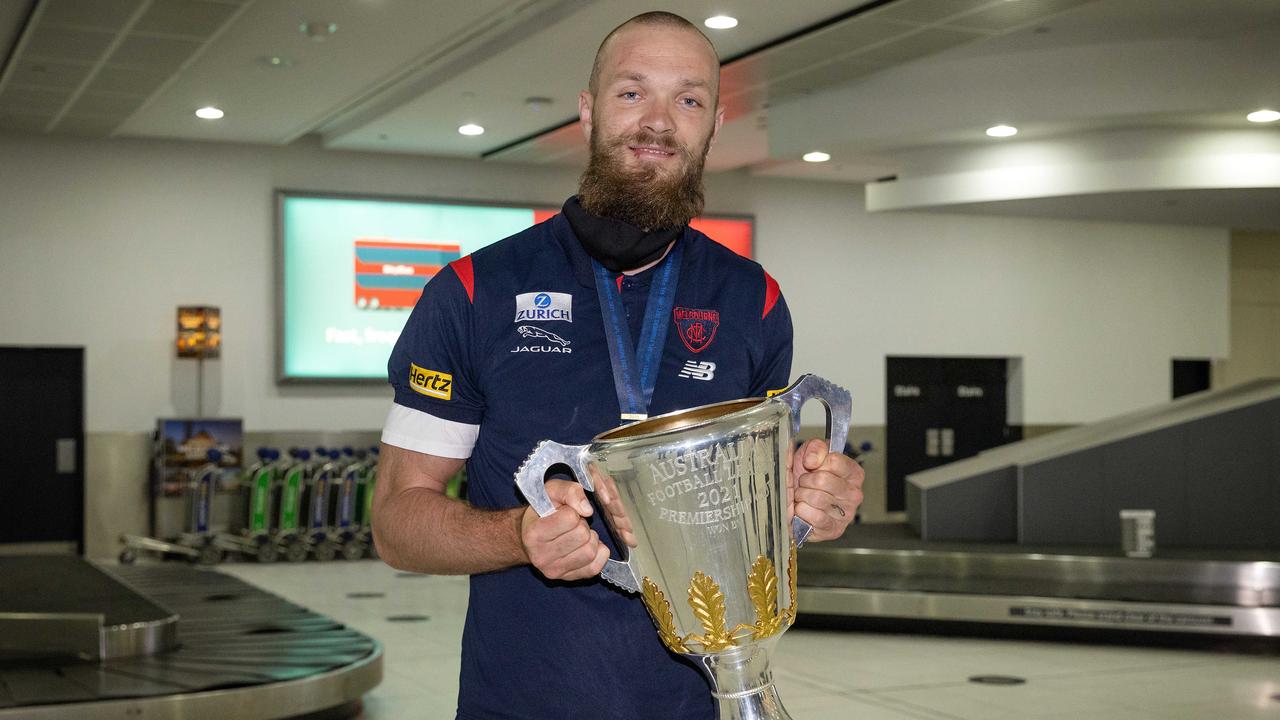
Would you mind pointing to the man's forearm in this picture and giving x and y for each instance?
(425, 531)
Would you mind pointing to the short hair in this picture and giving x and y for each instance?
(656, 18)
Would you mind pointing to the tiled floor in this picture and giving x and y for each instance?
(820, 674)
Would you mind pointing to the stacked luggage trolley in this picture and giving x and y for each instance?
(296, 506)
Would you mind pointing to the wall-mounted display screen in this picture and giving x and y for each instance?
(351, 268)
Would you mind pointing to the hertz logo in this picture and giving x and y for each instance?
(431, 383)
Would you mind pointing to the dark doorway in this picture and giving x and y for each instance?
(942, 409)
(1190, 376)
(42, 444)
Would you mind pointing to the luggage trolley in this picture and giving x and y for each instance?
(255, 537)
(364, 500)
(287, 534)
(317, 536)
(344, 515)
(197, 543)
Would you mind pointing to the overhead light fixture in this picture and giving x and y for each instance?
(816, 156)
(275, 61)
(721, 22)
(471, 129)
(1002, 131)
(538, 103)
(1263, 116)
(209, 113)
(318, 31)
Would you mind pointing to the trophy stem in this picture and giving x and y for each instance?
(742, 683)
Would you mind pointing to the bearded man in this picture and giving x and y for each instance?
(511, 346)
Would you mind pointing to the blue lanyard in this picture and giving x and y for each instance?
(635, 370)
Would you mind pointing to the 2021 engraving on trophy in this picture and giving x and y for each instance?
(700, 487)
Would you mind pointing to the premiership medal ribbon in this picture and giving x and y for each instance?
(635, 370)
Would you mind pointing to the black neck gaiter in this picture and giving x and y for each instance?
(614, 244)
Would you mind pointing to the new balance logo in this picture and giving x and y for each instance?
(695, 370)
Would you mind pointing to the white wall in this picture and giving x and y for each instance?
(100, 240)
(1096, 310)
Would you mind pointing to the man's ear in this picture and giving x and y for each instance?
(585, 101)
(715, 129)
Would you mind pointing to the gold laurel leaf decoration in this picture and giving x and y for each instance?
(660, 610)
(708, 607)
(762, 588)
(790, 615)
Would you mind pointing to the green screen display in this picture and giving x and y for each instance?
(352, 269)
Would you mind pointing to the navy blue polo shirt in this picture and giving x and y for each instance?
(506, 348)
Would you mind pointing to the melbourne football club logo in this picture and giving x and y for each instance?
(542, 306)
(697, 327)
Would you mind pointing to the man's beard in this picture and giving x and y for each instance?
(647, 198)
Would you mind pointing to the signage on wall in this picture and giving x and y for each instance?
(351, 268)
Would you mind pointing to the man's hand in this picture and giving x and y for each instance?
(827, 489)
(561, 545)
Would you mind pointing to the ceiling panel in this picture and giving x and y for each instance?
(93, 126)
(153, 52)
(113, 78)
(1008, 15)
(46, 73)
(28, 122)
(47, 42)
(552, 63)
(184, 17)
(917, 45)
(375, 42)
(105, 104)
(931, 11)
(31, 99)
(838, 71)
(109, 15)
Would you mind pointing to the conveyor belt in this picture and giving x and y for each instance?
(62, 605)
(886, 572)
(243, 654)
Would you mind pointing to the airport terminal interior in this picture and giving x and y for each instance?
(1030, 250)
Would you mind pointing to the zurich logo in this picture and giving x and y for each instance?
(542, 306)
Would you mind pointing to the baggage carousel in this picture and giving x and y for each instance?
(885, 572)
(169, 641)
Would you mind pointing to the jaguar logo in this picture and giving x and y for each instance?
(537, 332)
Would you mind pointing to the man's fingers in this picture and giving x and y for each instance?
(824, 525)
(563, 492)
(561, 545)
(825, 481)
(814, 453)
(837, 505)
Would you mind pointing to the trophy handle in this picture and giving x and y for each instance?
(529, 478)
(839, 405)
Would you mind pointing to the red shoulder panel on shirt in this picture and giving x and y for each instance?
(771, 294)
(462, 268)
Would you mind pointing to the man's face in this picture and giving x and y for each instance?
(651, 120)
(656, 88)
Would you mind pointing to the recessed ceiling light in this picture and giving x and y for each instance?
(471, 129)
(209, 113)
(1002, 131)
(275, 61)
(721, 22)
(1263, 116)
(816, 156)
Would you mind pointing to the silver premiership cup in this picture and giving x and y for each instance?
(698, 499)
